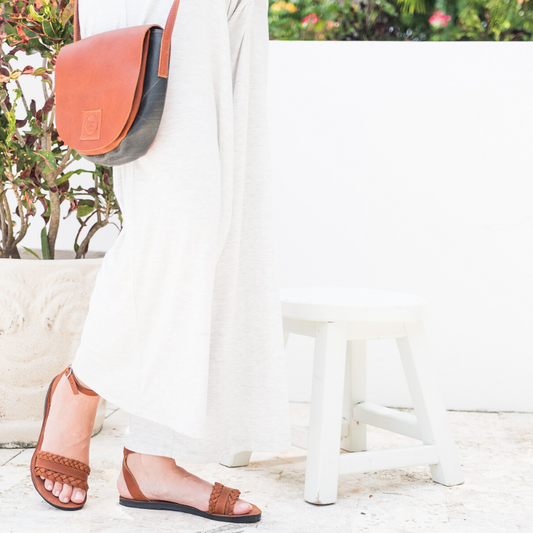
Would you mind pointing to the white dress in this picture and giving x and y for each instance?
(184, 326)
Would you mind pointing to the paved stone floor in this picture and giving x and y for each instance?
(496, 452)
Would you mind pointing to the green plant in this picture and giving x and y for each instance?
(488, 20)
(343, 20)
(34, 165)
(367, 20)
(301, 20)
(378, 20)
(414, 20)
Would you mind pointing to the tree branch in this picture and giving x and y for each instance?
(82, 249)
(69, 163)
(23, 223)
(43, 83)
(82, 225)
(64, 164)
(3, 223)
(23, 220)
(47, 137)
(9, 222)
(97, 199)
(51, 118)
(23, 97)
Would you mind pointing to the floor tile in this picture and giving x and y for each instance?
(496, 452)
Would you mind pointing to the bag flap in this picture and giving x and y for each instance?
(97, 82)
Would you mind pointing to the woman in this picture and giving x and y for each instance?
(184, 327)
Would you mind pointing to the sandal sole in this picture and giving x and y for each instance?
(170, 506)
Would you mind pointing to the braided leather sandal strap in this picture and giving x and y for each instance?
(231, 501)
(223, 499)
(215, 494)
(62, 469)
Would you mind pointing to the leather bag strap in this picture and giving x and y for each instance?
(77, 33)
(164, 55)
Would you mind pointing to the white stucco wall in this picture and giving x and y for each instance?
(408, 167)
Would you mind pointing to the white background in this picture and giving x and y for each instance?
(408, 167)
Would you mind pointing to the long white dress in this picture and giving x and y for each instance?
(184, 326)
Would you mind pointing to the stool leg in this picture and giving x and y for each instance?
(285, 338)
(322, 470)
(239, 459)
(354, 393)
(429, 407)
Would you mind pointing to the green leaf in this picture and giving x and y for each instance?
(84, 210)
(49, 29)
(36, 130)
(39, 71)
(34, 14)
(413, 6)
(31, 252)
(49, 158)
(68, 175)
(67, 13)
(44, 244)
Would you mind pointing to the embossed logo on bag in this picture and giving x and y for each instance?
(92, 122)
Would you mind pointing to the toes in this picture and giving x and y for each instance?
(242, 507)
(65, 494)
(78, 495)
(48, 484)
(58, 487)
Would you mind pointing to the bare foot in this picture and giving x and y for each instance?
(160, 478)
(68, 433)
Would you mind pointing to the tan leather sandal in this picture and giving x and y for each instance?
(221, 502)
(56, 467)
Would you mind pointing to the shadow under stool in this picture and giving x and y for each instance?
(341, 320)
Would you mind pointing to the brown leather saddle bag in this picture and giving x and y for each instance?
(111, 90)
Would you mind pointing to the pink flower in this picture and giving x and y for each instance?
(439, 19)
(312, 18)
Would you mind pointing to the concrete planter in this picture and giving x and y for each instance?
(43, 306)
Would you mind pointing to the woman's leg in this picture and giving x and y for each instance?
(190, 201)
(68, 433)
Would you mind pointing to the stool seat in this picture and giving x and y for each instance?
(342, 304)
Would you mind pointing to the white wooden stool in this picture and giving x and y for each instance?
(341, 320)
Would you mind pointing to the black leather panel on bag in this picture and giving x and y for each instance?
(144, 128)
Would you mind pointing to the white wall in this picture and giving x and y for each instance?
(407, 167)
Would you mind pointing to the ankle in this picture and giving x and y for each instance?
(148, 465)
(80, 382)
(77, 385)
